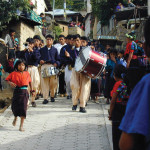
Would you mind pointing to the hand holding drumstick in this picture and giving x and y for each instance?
(67, 54)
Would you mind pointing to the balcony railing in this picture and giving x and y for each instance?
(35, 17)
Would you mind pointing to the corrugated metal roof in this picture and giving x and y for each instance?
(60, 12)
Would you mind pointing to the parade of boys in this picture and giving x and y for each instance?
(80, 70)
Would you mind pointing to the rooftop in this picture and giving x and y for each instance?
(60, 12)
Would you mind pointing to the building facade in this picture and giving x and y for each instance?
(40, 6)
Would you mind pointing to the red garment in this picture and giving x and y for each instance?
(19, 78)
(11, 64)
(128, 48)
(115, 88)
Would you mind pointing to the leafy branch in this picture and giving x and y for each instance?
(8, 10)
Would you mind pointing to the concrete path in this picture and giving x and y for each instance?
(55, 127)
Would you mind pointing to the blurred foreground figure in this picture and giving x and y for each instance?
(136, 122)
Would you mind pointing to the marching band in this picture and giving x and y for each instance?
(69, 66)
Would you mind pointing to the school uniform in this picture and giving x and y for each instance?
(50, 56)
(68, 68)
(58, 46)
(62, 84)
(80, 83)
(32, 60)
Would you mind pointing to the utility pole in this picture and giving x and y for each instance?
(148, 7)
(53, 20)
(65, 10)
(53, 8)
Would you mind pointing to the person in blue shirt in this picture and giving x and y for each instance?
(110, 65)
(49, 59)
(119, 7)
(135, 125)
(122, 61)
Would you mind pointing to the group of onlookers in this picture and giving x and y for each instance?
(120, 6)
(76, 24)
(127, 86)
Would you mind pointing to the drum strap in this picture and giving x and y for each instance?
(83, 60)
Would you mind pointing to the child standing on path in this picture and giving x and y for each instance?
(118, 103)
(20, 79)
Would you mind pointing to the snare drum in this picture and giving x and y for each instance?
(90, 63)
(49, 71)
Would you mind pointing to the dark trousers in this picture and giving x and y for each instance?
(116, 134)
(117, 115)
(62, 89)
(110, 81)
(135, 73)
(11, 53)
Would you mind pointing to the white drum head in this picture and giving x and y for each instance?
(82, 59)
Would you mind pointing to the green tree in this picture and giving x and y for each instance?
(57, 31)
(8, 10)
(59, 4)
(78, 5)
(75, 5)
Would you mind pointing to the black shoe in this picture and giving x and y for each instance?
(41, 95)
(68, 97)
(33, 104)
(82, 109)
(74, 107)
(86, 104)
(45, 101)
(37, 97)
(52, 99)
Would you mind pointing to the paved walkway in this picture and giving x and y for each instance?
(56, 127)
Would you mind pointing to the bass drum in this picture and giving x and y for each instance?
(90, 63)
